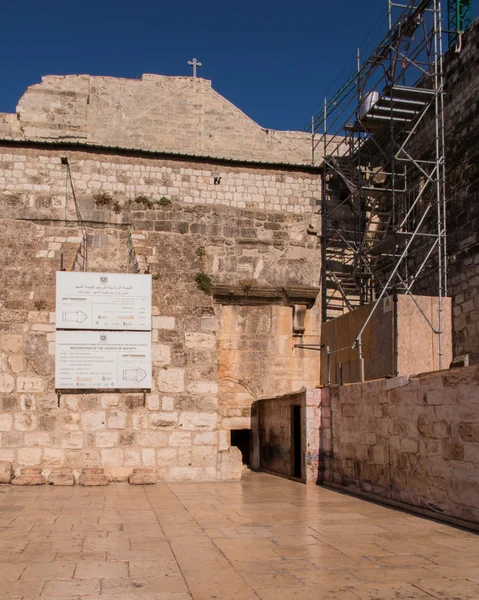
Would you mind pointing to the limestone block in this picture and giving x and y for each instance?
(166, 457)
(93, 477)
(25, 421)
(163, 322)
(37, 438)
(73, 439)
(53, 457)
(139, 420)
(202, 387)
(180, 438)
(203, 456)
(224, 439)
(409, 445)
(93, 420)
(231, 464)
(132, 458)
(142, 476)
(106, 439)
(71, 402)
(167, 403)
(237, 423)
(162, 420)
(46, 402)
(30, 384)
(149, 457)
(197, 421)
(61, 476)
(7, 455)
(6, 422)
(109, 400)
(112, 457)
(117, 420)
(208, 324)
(186, 473)
(453, 450)
(30, 476)
(171, 380)
(432, 428)
(153, 402)
(15, 362)
(469, 432)
(153, 439)
(161, 354)
(7, 383)
(71, 421)
(207, 438)
(12, 342)
(27, 402)
(29, 457)
(195, 339)
(6, 472)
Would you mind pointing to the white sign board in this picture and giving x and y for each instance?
(103, 301)
(103, 360)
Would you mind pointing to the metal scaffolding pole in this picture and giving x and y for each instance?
(383, 200)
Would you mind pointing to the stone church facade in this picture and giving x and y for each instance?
(163, 176)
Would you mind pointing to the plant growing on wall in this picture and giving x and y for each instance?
(103, 199)
(204, 282)
(144, 200)
(147, 203)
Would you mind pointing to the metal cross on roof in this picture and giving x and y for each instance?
(194, 63)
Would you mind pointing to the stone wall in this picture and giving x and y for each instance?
(33, 181)
(415, 440)
(213, 357)
(168, 114)
(462, 151)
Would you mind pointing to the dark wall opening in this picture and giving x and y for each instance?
(296, 457)
(241, 438)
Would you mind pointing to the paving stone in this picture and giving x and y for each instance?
(264, 537)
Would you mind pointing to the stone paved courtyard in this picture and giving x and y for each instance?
(265, 538)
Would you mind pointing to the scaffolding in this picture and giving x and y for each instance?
(383, 199)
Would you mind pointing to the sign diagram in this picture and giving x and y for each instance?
(107, 301)
(103, 360)
(74, 316)
(137, 374)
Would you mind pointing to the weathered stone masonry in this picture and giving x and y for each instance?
(212, 357)
(412, 440)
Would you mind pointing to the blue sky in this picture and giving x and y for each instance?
(274, 60)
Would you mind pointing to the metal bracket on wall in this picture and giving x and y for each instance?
(309, 346)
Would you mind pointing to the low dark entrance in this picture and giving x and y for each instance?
(296, 441)
(241, 438)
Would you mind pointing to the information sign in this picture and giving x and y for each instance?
(103, 301)
(103, 360)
